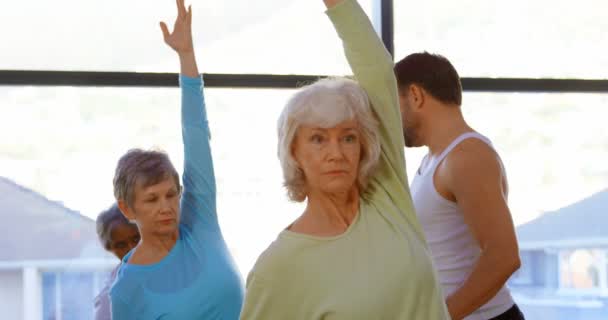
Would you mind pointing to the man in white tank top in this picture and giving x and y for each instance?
(460, 193)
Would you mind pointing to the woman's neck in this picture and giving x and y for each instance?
(152, 248)
(328, 214)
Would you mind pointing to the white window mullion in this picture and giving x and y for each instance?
(32, 293)
(560, 283)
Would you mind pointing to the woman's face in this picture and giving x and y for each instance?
(123, 238)
(329, 157)
(155, 209)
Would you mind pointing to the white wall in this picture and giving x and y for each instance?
(11, 295)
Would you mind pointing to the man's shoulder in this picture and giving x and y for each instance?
(471, 154)
(471, 161)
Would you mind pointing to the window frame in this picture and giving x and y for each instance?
(383, 18)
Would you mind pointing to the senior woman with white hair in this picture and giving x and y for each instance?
(357, 251)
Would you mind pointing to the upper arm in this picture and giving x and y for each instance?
(372, 66)
(474, 175)
(199, 193)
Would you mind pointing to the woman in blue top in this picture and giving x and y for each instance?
(181, 268)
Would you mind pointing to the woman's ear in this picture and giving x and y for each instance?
(126, 210)
(292, 151)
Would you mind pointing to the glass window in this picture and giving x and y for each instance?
(76, 286)
(581, 269)
(550, 145)
(73, 138)
(68, 295)
(49, 296)
(520, 38)
(65, 141)
(265, 36)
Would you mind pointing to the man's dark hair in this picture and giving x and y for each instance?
(434, 73)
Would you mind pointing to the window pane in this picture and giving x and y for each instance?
(264, 36)
(551, 146)
(49, 296)
(581, 269)
(520, 38)
(65, 143)
(76, 135)
(76, 295)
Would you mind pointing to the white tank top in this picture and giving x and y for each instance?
(452, 246)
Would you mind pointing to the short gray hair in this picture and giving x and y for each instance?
(326, 103)
(106, 220)
(142, 168)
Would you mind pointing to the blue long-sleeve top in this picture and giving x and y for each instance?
(198, 278)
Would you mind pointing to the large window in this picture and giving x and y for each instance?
(67, 141)
(264, 36)
(61, 143)
(583, 269)
(64, 293)
(519, 38)
(550, 145)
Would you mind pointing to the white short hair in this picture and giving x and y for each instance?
(326, 103)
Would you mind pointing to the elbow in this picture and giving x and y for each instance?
(511, 262)
(515, 262)
(505, 261)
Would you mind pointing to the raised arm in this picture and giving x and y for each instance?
(198, 204)
(372, 66)
(373, 69)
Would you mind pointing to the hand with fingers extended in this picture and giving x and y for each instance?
(180, 39)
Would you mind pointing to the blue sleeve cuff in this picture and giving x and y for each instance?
(190, 80)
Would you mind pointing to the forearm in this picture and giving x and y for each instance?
(373, 69)
(364, 50)
(489, 275)
(187, 62)
(198, 177)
